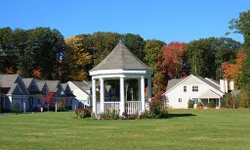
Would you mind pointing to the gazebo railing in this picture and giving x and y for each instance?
(112, 105)
(133, 107)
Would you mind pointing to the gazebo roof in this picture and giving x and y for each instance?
(121, 58)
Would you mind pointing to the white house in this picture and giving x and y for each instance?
(81, 91)
(196, 88)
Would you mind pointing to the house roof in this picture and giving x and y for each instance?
(52, 84)
(209, 94)
(83, 85)
(64, 85)
(27, 81)
(7, 80)
(9, 85)
(217, 87)
(40, 84)
(174, 82)
(121, 58)
(235, 92)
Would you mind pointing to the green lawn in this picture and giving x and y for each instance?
(204, 129)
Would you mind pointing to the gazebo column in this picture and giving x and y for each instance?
(101, 95)
(122, 101)
(149, 89)
(94, 96)
(142, 94)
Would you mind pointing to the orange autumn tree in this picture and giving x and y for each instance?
(233, 71)
(37, 73)
(76, 58)
(170, 65)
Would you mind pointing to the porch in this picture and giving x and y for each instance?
(209, 96)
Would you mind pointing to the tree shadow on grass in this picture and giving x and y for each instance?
(180, 115)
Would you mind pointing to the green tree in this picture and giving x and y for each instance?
(241, 25)
(135, 43)
(205, 56)
(153, 52)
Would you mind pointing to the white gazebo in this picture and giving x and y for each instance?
(121, 64)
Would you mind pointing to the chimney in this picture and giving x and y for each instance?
(231, 83)
(224, 85)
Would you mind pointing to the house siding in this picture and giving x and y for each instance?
(177, 92)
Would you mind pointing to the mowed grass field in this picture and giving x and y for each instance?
(186, 129)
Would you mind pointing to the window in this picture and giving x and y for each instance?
(32, 87)
(184, 88)
(180, 100)
(195, 88)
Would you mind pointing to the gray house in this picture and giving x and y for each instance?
(13, 90)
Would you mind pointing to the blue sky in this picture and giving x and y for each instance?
(166, 20)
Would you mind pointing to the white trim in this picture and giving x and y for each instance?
(119, 71)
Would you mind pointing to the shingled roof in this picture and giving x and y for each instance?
(121, 58)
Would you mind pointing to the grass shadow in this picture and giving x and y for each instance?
(180, 115)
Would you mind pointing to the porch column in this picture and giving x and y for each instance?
(219, 102)
(94, 96)
(11, 103)
(139, 89)
(101, 95)
(149, 89)
(142, 94)
(122, 102)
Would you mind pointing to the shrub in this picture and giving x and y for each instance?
(110, 114)
(200, 104)
(163, 113)
(211, 104)
(229, 100)
(83, 112)
(93, 116)
(244, 97)
(223, 103)
(126, 116)
(16, 107)
(158, 107)
(190, 104)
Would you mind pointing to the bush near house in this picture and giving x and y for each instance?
(211, 104)
(16, 107)
(244, 97)
(200, 105)
(83, 112)
(190, 104)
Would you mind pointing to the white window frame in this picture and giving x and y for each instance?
(180, 100)
(184, 88)
(193, 88)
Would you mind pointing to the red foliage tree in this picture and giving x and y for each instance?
(49, 99)
(170, 65)
(171, 61)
